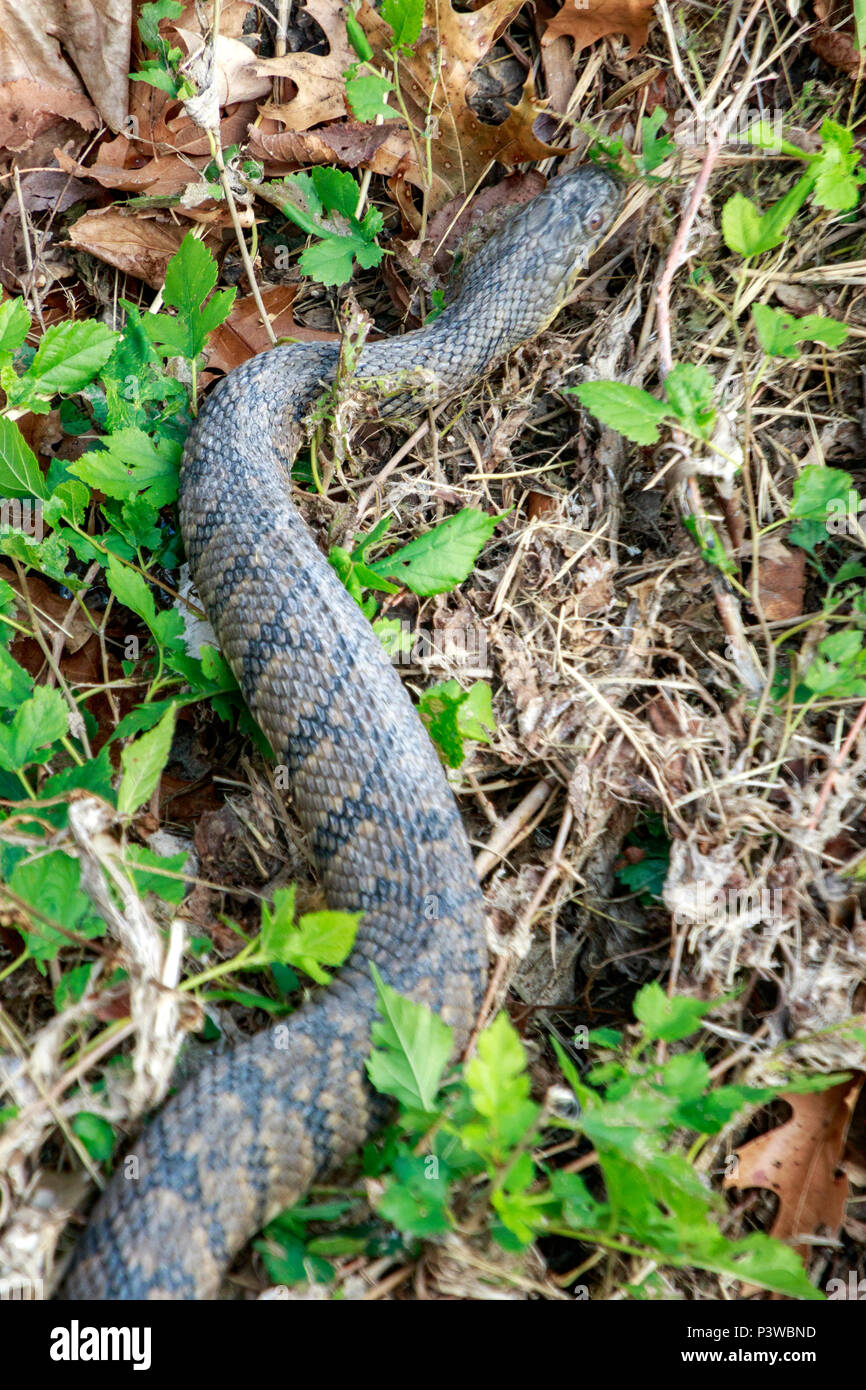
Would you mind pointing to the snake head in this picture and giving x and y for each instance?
(572, 216)
(519, 280)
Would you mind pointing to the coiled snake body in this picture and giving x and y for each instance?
(248, 1133)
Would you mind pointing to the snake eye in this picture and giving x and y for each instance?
(595, 221)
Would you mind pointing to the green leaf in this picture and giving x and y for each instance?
(131, 463)
(628, 410)
(689, 390)
(442, 558)
(14, 324)
(452, 715)
(96, 1135)
(357, 38)
(749, 232)
(308, 197)
(655, 147)
(132, 590)
(668, 1019)
(406, 18)
(331, 261)
(51, 883)
(367, 96)
(741, 225)
(416, 1199)
(15, 683)
(154, 72)
(411, 1048)
(498, 1081)
(68, 357)
(779, 333)
(149, 17)
(36, 725)
(189, 278)
(837, 169)
(817, 488)
(142, 763)
(765, 136)
(319, 939)
(20, 474)
(144, 868)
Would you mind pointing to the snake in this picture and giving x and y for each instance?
(252, 1128)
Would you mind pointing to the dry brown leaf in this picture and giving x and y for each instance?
(451, 223)
(242, 335)
(585, 21)
(29, 108)
(348, 143)
(799, 1161)
(833, 40)
(781, 580)
(318, 77)
(434, 75)
(165, 174)
(57, 614)
(136, 245)
(35, 37)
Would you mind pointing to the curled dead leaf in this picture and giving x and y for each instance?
(236, 64)
(347, 143)
(834, 38)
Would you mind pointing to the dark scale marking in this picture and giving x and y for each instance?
(252, 1128)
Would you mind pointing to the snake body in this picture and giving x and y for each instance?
(253, 1127)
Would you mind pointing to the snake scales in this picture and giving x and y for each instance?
(248, 1133)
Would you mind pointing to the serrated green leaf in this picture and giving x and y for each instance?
(668, 1019)
(14, 324)
(149, 17)
(627, 409)
(837, 169)
(367, 96)
(142, 763)
(131, 463)
(20, 474)
(405, 18)
(452, 716)
(442, 558)
(689, 389)
(38, 723)
(190, 276)
(817, 488)
(68, 357)
(411, 1048)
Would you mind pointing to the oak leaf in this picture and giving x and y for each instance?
(318, 77)
(799, 1161)
(585, 21)
(433, 77)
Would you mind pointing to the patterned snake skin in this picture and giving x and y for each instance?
(249, 1132)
